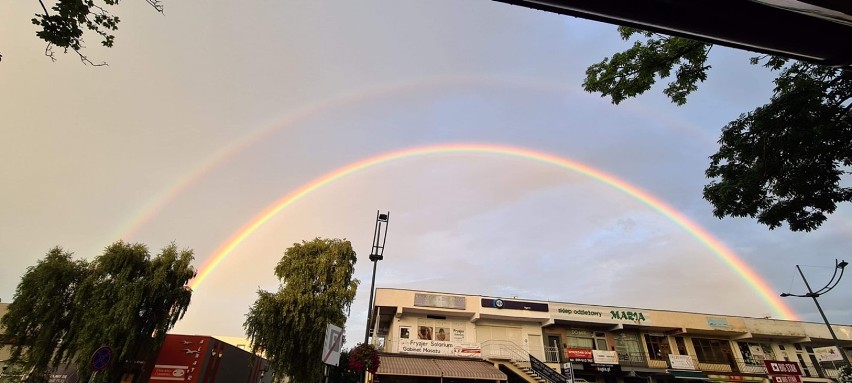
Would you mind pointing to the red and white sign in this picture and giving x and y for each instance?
(169, 372)
(580, 355)
(780, 367)
(786, 379)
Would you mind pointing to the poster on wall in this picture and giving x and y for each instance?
(442, 334)
(424, 332)
(458, 335)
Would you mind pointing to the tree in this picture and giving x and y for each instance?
(782, 162)
(65, 25)
(64, 310)
(316, 289)
(40, 315)
(342, 373)
(845, 375)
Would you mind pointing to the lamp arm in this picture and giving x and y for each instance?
(832, 282)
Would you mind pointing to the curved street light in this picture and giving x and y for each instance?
(835, 279)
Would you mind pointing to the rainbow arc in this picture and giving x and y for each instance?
(728, 257)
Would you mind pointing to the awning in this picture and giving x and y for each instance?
(433, 367)
(685, 374)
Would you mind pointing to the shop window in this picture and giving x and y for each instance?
(711, 350)
(658, 346)
(581, 339)
(628, 347)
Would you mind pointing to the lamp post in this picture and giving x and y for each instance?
(376, 255)
(835, 279)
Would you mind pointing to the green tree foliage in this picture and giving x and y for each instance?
(845, 375)
(64, 24)
(316, 289)
(782, 162)
(124, 299)
(342, 373)
(39, 318)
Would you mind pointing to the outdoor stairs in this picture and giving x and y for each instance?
(530, 373)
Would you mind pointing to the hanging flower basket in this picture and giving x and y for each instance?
(364, 357)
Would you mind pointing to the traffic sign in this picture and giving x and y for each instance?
(101, 358)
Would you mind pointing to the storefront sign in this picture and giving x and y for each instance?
(434, 347)
(827, 354)
(169, 372)
(633, 316)
(605, 357)
(780, 367)
(681, 362)
(579, 355)
(602, 368)
(718, 322)
(599, 314)
(441, 301)
(735, 378)
(786, 379)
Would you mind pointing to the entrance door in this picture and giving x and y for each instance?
(536, 348)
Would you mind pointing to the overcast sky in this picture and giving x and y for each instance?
(209, 114)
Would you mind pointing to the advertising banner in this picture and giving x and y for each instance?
(786, 379)
(827, 354)
(434, 347)
(580, 355)
(681, 362)
(780, 367)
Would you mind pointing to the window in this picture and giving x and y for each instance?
(629, 347)
(580, 339)
(404, 332)
(711, 350)
(755, 353)
(658, 346)
(681, 346)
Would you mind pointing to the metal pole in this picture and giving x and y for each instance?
(830, 329)
(370, 307)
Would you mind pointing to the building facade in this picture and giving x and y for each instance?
(535, 341)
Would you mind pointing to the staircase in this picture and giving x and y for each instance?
(515, 358)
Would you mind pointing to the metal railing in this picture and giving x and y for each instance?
(505, 350)
(551, 354)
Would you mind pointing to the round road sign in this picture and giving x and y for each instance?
(101, 358)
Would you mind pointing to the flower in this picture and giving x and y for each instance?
(364, 357)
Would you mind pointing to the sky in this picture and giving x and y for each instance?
(209, 114)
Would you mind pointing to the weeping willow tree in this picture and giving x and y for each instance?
(316, 289)
(64, 310)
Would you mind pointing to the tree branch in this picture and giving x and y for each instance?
(43, 7)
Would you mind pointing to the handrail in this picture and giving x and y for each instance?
(504, 349)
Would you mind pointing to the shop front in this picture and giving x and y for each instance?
(395, 368)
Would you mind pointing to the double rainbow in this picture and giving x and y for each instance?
(755, 281)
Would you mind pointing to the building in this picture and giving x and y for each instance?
(198, 358)
(421, 333)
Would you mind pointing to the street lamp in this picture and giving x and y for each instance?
(835, 279)
(376, 255)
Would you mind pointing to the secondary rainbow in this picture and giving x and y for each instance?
(716, 246)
